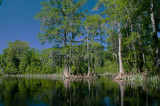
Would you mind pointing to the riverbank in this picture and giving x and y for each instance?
(139, 78)
(144, 79)
(53, 76)
(39, 76)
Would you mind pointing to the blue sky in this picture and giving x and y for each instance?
(17, 21)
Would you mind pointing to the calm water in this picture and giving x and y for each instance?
(103, 91)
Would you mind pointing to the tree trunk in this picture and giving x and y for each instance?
(116, 56)
(66, 67)
(120, 56)
(65, 57)
(70, 53)
(121, 72)
(154, 35)
(93, 69)
(88, 53)
(93, 59)
(69, 72)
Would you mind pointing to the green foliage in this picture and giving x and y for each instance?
(13, 55)
(19, 58)
(138, 52)
(11, 69)
(109, 66)
(77, 39)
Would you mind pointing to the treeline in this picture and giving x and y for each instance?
(20, 58)
(131, 27)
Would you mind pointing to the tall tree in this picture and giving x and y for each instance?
(114, 11)
(59, 19)
(112, 42)
(93, 25)
(75, 18)
(14, 54)
(154, 30)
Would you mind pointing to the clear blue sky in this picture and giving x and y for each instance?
(17, 21)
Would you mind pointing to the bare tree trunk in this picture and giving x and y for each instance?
(93, 59)
(144, 63)
(93, 68)
(89, 68)
(65, 68)
(121, 72)
(69, 63)
(116, 55)
(155, 36)
(88, 53)
(70, 53)
(120, 56)
(65, 57)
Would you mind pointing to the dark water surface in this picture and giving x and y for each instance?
(103, 91)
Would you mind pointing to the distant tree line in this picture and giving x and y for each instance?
(129, 27)
(20, 58)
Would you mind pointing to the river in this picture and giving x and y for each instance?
(98, 92)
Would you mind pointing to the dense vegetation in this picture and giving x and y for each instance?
(129, 27)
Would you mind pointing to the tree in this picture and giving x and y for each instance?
(154, 30)
(137, 26)
(112, 42)
(93, 26)
(14, 54)
(115, 13)
(59, 19)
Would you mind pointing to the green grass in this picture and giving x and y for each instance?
(141, 78)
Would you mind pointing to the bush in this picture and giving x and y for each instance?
(109, 66)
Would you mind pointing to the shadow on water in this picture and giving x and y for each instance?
(98, 92)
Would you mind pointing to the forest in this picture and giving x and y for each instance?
(123, 38)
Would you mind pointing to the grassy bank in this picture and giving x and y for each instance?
(143, 79)
(138, 78)
(38, 76)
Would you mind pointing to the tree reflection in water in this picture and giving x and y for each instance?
(122, 85)
(68, 92)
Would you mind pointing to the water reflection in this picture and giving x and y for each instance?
(122, 85)
(100, 92)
